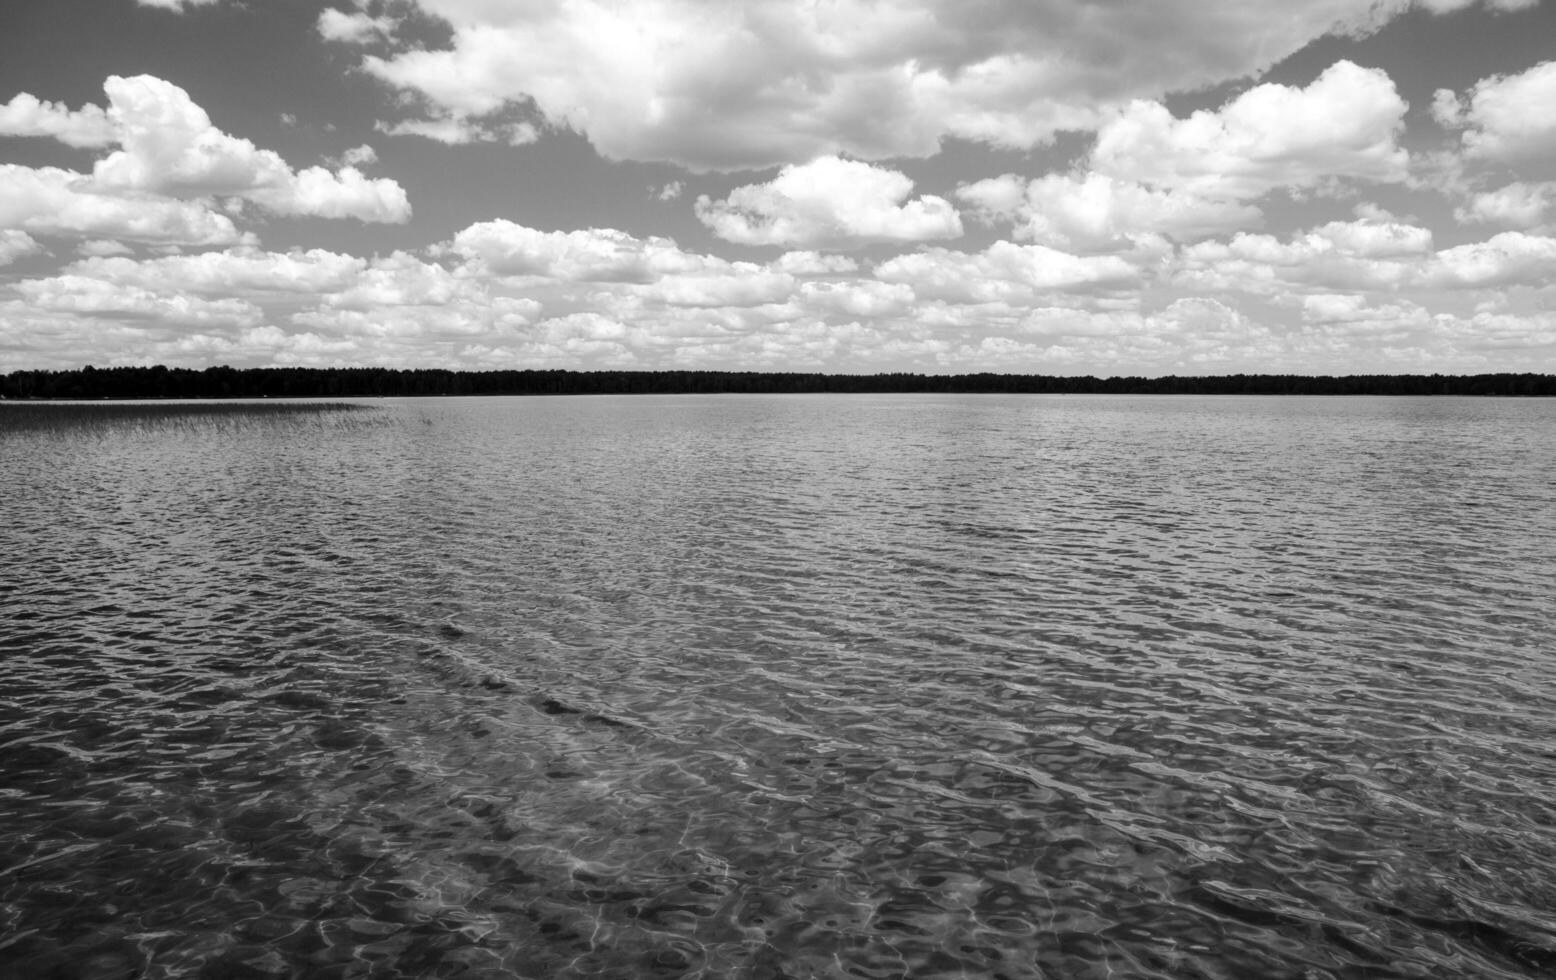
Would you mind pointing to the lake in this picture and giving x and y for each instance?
(781, 687)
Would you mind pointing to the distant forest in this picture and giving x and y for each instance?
(288, 382)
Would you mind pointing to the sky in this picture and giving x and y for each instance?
(1062, 187)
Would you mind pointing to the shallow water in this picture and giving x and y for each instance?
(839, 686)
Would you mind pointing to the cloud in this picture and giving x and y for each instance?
(1353, 311)
(76, 294)
(1365, 256)
(765, 83)
(1356, 255)
(15, 244)
(103, 247)
(1501, 6)
(1509, 259)
(1345, 124)
(356, 28)
(808, 263)
(172, 168)
(1372, 239)
(1526, 206)
(1505, 118)
(454, 130)
(170, 147)
(1003, 272)
(742, 285)
(604, 272)
(861, 298)
(396, 281)
(51, 201)
(1452, 6)
(593, 255)
(566, 299)
(1526, 335)
(346, 193)
(407, 327)
(1095, 212)
(499, 294)
(244, 272)
(1150, 176)
(176, 5)
(1190, 335)
(246, 304)
(829, 203)
(26, 115)
(360, 156)
(1001, 198)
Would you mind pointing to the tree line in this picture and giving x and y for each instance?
(302, 382)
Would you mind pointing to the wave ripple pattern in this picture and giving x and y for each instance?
(788, 687)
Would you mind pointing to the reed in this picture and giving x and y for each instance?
(25, 415)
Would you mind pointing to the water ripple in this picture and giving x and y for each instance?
(782, 687)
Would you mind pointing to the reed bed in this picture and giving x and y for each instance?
(36, 415)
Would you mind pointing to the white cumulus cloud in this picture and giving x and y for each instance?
(1095, 212)
(27, 115)
(1505, 118)
(1151, 176)
(1356, 255)
(742, 285)
(1345, 124)
(1511, 258)
(172, 170)
(860, 298)
(829, 203)
(593, 255)
(360, 156)
(1003, 271)
(1353, 309)
(14, 244)
(169, 146)
(1520, 205)
(1372, 239)
(353, 28)
(770, 82)
(77, 294)
(811, 263)
(1365, 256)
(51, 201)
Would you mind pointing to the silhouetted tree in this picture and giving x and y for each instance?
(295, 382)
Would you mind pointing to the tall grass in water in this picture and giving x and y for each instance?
(21, 416)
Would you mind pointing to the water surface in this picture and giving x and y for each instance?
(833, 686)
